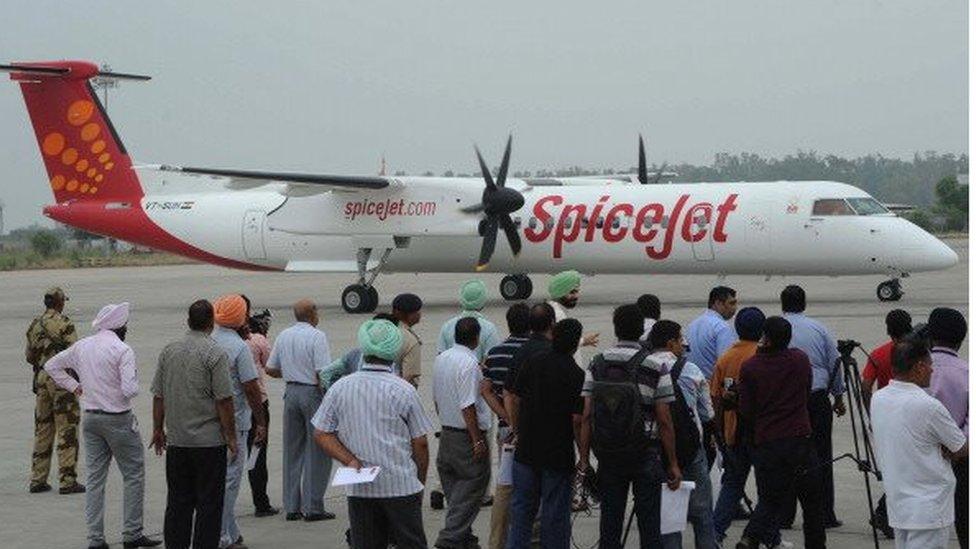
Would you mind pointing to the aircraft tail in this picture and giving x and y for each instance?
(84, 157)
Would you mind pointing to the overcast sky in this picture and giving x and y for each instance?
(332, 86)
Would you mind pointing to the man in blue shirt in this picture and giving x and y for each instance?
(813, 338)
(710, 334)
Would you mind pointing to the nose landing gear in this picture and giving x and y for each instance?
(515, 287)
(890, 290)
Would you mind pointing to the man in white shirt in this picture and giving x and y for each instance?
(462, 457)
(915, 437)
(107, 381)
(300, 352)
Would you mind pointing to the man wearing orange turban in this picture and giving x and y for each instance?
(230, 311)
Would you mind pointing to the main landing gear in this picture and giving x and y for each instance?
(363, 297)
(515, 287)
(890, 290)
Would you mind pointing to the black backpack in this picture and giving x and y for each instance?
(617, 421)
(687, 439)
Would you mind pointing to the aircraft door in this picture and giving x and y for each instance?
(252, 232)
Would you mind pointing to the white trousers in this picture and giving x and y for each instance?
(937, 538)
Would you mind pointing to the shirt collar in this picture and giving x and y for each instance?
(465, 350)
(629, 344)
(945, 350)
(367, 367)
(714, 314)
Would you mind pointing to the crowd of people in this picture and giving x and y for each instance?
(736, 388)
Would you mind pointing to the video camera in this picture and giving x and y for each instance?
(846, 346)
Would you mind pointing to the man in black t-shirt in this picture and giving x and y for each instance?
(549, 387)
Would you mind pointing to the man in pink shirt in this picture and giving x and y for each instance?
(950, 386)
(106, 383)
(257, 342)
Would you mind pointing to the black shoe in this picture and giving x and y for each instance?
(73, 488)
(266, 512)
(103, 545)
(143, 541)
(487, 501)
(882, 526)
(294, 516)
(39, 487)
(741, 513)
(833, 524)
(746, 543)
(436, 499)
(315, 517)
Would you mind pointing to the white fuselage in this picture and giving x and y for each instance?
(723, 228)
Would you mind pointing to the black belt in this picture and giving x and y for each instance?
(105, 413)
(300, 383)
(458, 430)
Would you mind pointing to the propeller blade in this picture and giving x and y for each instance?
(641, 161)
(503, 170)
(660, 172)
(485, 172)
(488, 244)
(512, 234)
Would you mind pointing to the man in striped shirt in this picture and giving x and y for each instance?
(497, 363)
(375, 418)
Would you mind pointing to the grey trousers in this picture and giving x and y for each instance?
(303, 459)
(229, 531)
(376, 522)
(105, 437)
(465, 482)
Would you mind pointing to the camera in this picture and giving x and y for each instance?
(846, 346)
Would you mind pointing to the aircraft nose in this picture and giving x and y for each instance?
(929, 253)
(941, 256)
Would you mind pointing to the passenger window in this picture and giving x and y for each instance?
(832, 206)
(533, 222)
(599, 222)
(615, 223)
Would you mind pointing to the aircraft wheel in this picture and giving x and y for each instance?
(890, 291)
(374, 299)
(511, 288)
(356, 299)
(525, 287)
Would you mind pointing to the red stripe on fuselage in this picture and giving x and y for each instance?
(131, 224)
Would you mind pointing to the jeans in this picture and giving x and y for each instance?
(699, 506)
(107, 436)
(615, 479)
(229, 531)
(195, 480)
(737, 463)
(786, 467)
(553, 489)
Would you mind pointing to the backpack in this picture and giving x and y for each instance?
(687, 439)
(618, 429)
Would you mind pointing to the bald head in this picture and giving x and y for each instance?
(305, 311)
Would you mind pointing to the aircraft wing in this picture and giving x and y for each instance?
(297, 184)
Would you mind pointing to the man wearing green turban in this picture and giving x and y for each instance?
(473, 297)
(379, 339)
(564, 289)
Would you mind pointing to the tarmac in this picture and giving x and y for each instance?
(160, 296)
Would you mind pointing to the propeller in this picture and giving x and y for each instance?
(642, 164)
(497, 203)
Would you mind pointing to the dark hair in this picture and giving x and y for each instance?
(518, 319)
(663, 332)
(201, 315)
(778, 332)
(898, 323)
(793, 299)
(541, 317)
(50, 301)
(907, 353)
(467, 330)
(566, 336)
(386, 316)
(650, 306)
(628, 323)
(247, 303)
(720, 293)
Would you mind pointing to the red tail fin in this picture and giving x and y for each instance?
(84, 157)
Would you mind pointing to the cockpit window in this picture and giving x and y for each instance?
(832, 206)
(867, 206)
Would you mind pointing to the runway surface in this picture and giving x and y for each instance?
(160, 296)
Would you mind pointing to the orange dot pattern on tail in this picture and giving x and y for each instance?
(85, 151)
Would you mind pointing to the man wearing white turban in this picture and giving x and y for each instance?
(106, 382)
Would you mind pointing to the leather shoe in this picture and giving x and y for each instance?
(143, 541)
(74, 488)
(315, 517)
(294, 516)
(40, 487)
(266, 512)
(833, 524)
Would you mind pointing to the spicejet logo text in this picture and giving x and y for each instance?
(381, 209)
(647, 225)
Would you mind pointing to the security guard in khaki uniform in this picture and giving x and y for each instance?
(56, 411)
(406, 309)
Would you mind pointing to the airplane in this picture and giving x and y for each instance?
(372, 224)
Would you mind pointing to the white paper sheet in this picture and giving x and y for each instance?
(252, 457)
(505, 465)
(345, 476)
(674, 507)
